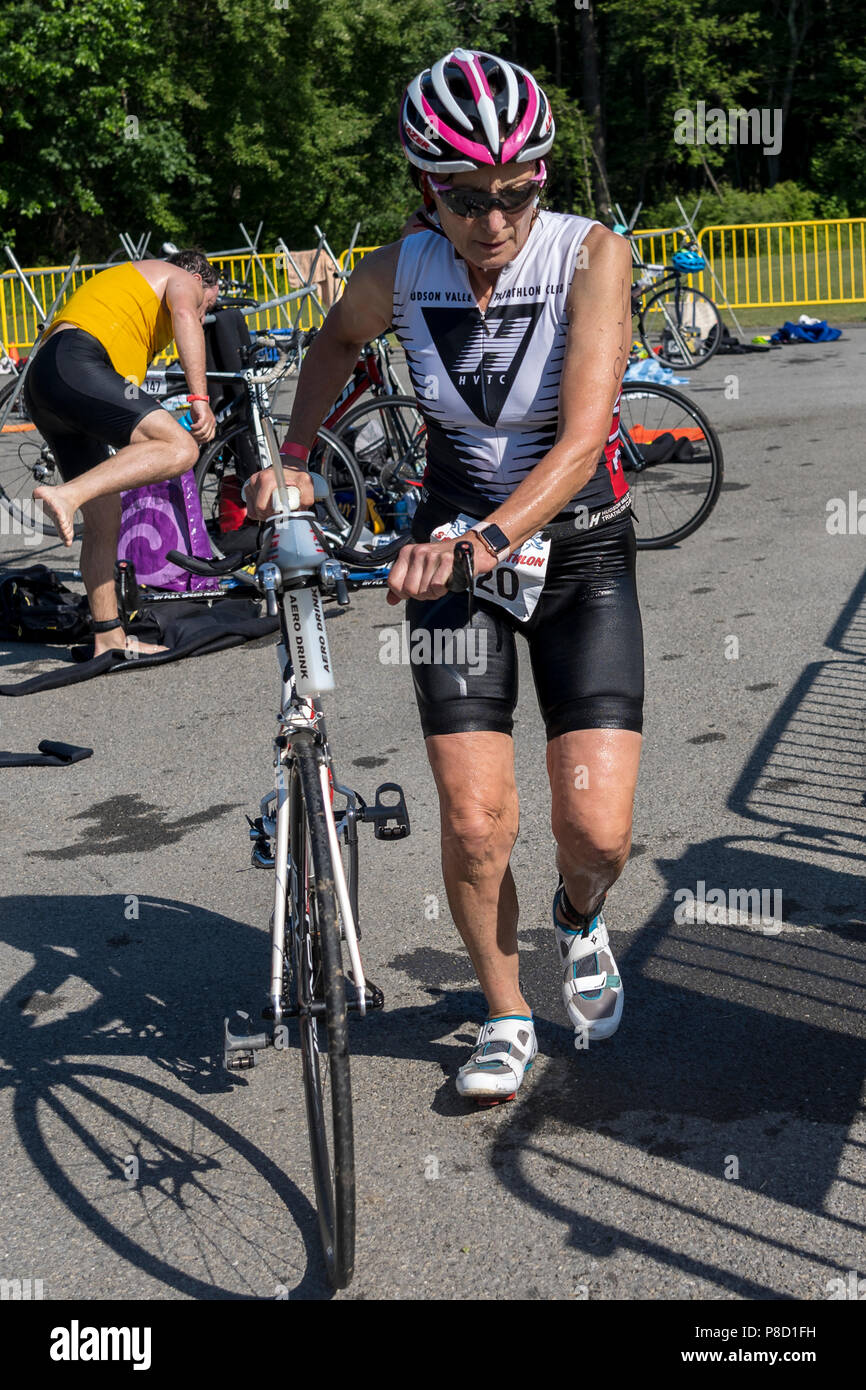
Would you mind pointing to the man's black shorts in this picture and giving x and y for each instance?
(79, 403)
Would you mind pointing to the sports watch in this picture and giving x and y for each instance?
(493, 539)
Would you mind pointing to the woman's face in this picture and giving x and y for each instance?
(491, 241)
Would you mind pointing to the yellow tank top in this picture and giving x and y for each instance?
(121, 310)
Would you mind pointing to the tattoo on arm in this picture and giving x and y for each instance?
(621, 322)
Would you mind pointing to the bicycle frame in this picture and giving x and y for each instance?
(302, 718)
(373, 372)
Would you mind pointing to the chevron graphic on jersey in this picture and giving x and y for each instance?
(483, 357)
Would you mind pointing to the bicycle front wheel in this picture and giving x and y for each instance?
(26, 461)
(388, 436)
(680, 327)
(672, 461)
(321, 998)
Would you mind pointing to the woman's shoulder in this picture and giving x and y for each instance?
(566, 226)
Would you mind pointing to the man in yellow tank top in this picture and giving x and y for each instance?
(82, 391)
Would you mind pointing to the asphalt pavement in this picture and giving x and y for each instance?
(713, 1149)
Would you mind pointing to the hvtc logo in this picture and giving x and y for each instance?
(482, 358)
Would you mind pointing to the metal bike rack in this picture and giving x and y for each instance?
(688, 225)
(41, 326)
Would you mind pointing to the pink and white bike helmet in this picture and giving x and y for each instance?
(471, 109)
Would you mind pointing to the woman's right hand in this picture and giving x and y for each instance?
(260, 488)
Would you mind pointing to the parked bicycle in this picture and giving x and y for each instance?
(246, 441)
(312, 847)
(677, 324)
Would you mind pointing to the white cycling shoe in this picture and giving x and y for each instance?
(591, 985)
(505, 1050)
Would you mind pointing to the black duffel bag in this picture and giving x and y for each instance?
(36, 607)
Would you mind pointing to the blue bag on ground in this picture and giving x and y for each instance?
(806, 333)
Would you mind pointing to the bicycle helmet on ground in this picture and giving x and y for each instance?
(470, 109)
(688, 261)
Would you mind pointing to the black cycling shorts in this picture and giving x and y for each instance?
(585, 642)
(79, 403)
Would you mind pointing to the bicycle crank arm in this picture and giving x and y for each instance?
(375, 999)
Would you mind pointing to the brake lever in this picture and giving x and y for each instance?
(463, 575)
(211, 569)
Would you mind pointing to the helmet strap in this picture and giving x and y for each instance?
(429, 201)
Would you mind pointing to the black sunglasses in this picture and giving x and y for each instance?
(474, 202)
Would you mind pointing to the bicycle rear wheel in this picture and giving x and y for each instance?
(321, 998)
(219, 459)
(388, 437)
(680, 327)
(225, 456)
(672, 461)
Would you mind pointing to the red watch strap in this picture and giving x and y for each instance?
(198, 398)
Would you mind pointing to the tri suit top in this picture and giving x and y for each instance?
(488, 383)
(123, 312)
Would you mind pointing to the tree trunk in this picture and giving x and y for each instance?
(796, 35)
(592, 106)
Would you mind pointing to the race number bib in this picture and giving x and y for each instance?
(517, 581)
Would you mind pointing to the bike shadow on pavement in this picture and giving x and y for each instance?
(104, 1001)
(742, 1036)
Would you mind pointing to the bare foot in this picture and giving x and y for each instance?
(59, 510)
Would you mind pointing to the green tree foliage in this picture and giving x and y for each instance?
(185, 118)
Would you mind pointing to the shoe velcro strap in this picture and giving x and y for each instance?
(585, 984)
(585, 946)
(505, 1040)
(493, 1059)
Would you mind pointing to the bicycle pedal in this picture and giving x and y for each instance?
(383, 813)
(239, 1049)
(261, 856)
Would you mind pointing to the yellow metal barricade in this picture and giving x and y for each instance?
(774, 264)
(19, 318)
(757, 264)
(357, 254)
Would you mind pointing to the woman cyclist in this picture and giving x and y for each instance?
(516, 326)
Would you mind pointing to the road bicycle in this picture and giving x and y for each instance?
(312, 847)
(245, 442)
(333, 456)
(677, 324)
